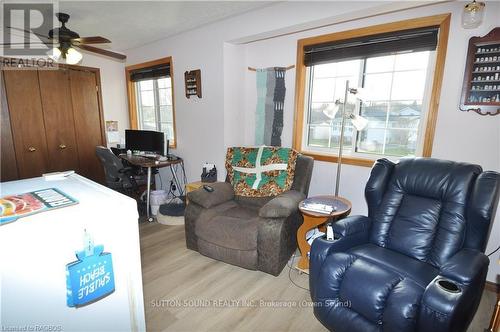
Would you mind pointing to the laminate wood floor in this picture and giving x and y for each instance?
(186, 291)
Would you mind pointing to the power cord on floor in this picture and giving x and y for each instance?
(494, 251)
(290, 273)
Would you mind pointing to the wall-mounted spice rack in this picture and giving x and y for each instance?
(481, 87)
(192, 80)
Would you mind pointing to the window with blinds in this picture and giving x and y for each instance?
(153, 102)
(396, 68)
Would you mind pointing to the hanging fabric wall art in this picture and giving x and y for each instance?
(270, 103)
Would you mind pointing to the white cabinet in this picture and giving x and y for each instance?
(35, 250)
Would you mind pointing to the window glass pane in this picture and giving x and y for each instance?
(325, 70)
(400, 142)
(408, 85)
(148, 114)
(375, 113)
(379, 86)
(164, 82)
(405, 114)
(348, 68)
(336, 128)
(166, 114)
(380, 64)
(326, 135)
(323, 90)
(147, 98)
(408, 61)
(146, 85)
(371, 140)
(149, 125)
(165, 96)
(168, 129)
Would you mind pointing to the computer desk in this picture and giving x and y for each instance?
(149, 163)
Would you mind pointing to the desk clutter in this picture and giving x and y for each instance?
(209, 173)
(318, 207)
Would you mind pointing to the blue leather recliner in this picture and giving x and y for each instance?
(416, 263)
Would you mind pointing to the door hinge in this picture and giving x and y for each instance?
(96, 88)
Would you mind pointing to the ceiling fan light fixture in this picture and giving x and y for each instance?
(55, 54)
(73, 56)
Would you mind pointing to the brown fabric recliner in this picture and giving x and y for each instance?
(254, 233)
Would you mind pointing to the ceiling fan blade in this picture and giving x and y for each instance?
(102, 51)
(91, 40)
(27, 43)
(31, 32)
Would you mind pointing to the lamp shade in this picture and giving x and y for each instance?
(73, 56)
(54, 54)
(331, 110)
(358, 121)
(473, 13)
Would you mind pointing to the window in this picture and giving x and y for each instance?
(154, 105)
(150, 90)
(396, 65)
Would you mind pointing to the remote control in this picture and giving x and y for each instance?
(208, 188)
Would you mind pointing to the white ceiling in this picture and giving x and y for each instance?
(130, 24)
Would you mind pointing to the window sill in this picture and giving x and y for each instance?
(345, 159)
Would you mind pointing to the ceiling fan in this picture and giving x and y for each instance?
(66, 41)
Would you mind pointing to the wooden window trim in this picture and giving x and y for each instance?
(132, 99)
(443, 21)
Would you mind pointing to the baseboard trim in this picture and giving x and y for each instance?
(492, 287)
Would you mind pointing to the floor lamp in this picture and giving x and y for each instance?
(357, 121)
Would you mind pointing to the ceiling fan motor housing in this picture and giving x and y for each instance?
(62, 33)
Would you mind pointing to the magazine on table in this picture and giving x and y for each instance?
(13, 207)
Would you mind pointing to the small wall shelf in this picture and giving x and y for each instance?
(481, 87)
(192, 80)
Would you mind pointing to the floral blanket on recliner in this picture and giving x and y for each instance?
(262, 171)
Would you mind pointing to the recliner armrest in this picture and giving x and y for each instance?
(282, 205)
(351, 225)
(223, 192)
(349, 232)
(451, 299)
(464, 266)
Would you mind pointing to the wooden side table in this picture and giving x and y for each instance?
(315, 219)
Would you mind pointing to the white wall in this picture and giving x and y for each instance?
(114, 91)
(224, 116)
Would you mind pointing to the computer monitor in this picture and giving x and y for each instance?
(145, 140)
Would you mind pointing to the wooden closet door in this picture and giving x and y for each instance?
(88, 122)
(26, 117)
(8, 171)
(58, 116)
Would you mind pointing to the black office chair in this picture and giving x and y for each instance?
(118, 177)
